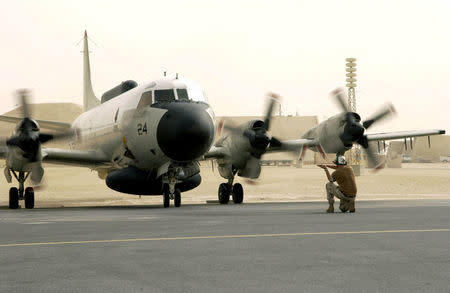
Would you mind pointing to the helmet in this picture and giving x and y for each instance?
(340, 160)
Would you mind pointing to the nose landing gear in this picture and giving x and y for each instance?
(170, 192)
(21, 193)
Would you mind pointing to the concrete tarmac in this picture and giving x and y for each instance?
(386, 246)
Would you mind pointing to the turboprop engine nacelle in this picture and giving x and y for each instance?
(330, 132)
(245, 138)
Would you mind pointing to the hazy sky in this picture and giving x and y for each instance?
(237, 51)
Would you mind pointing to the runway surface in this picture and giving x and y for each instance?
(386, 246)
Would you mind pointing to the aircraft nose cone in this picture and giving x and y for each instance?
(185, 132)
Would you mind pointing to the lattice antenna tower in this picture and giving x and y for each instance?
(354, 153)
(351, 83)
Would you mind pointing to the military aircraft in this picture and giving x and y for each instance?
(143, 140)
(239, 151)
(338, 133)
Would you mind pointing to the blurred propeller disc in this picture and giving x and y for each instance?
(354, 130)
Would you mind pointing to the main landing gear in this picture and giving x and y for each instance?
(170, 192)
(21, 193)
(236, 191)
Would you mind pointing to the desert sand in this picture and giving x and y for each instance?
(70, 186)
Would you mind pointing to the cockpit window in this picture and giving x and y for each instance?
(182, 95)
(164, 95)
(195, 92)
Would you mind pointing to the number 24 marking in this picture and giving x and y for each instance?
(141, 129)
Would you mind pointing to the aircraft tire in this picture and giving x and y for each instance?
(166, 196)
(13, 198)
(29, 197)
(177, 199)
(238, 193)
(224, 193)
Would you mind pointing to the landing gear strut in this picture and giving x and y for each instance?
(22, 193)
(227, 189)
(170, 191)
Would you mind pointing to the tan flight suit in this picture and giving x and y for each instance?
(345, 191)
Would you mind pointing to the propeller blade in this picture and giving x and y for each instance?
(23, 97)
(371, 154)
(13, 141)
(37, 172)
(275, 143)
(45, 137)
(251, 181)
(273, 98)
(302, 153)
(220, 126)
(322, 152)
(373, 159)
(339, 96)
(387, 110)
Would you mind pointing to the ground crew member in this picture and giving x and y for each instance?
(346, 188)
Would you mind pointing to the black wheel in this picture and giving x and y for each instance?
(166, 195)
(13, 198)
(238, 193)
(224, 193)
(177, 199)
(29, 197)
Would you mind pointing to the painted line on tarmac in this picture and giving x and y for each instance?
(221, 237)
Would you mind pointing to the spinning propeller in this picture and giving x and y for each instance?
(28, 138)
(354, 130)
(258, 138)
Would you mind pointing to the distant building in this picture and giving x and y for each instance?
(421, 152)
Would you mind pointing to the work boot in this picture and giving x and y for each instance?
(330, 208)
(352, 205)
(344, 205)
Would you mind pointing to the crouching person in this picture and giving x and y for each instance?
(345, 189)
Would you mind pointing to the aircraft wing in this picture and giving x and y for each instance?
(52, 125)
(403, 134)
(292, 145)
(279, 146)
(216, 152)
(75, 157)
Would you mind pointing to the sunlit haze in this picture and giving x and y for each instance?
(237, 51)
